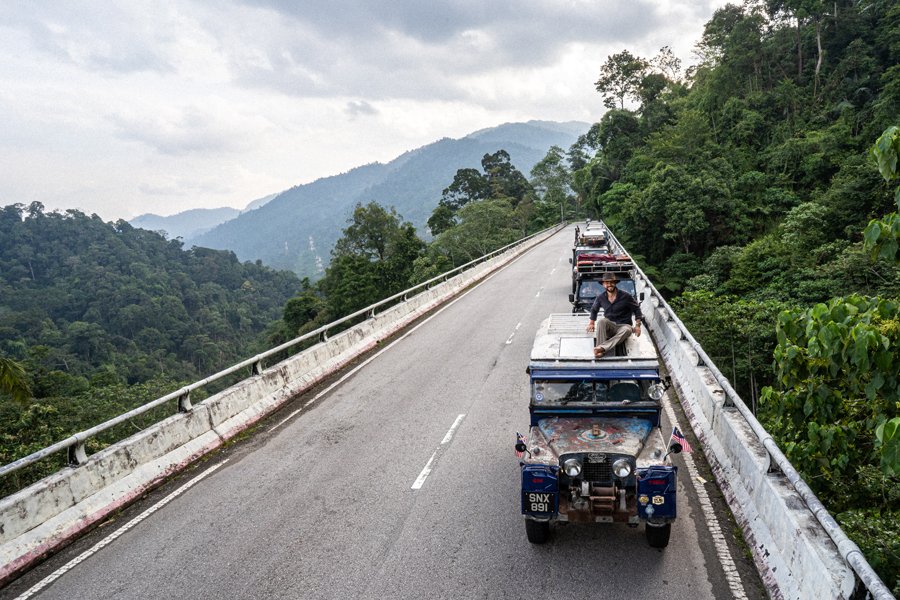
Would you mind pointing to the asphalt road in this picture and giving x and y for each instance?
(324, 505)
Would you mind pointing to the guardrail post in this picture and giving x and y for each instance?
(257, 367)
(728, 402)
(184, 402)
(77, 454)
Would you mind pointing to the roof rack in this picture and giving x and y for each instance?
(590, 267)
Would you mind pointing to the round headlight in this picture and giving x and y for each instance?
(622, 468)
(572, 467)
(656, 391)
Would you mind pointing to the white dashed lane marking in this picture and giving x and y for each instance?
(512, 335)
(368, 360)
(420, 480)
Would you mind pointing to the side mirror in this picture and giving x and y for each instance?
(521, 447)
(571, 297)
(570, 261)
(675, 448)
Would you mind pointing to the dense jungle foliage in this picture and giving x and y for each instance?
(97, 318)
(746, 187)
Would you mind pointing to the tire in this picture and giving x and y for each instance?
(658, 535)
(538, 532)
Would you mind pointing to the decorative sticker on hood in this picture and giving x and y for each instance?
(595, 434)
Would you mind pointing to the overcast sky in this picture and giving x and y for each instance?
(123, 108)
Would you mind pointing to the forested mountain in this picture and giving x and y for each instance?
(99, 318)
(298, 228)
(82, 298)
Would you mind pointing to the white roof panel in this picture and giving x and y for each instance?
(565, 337)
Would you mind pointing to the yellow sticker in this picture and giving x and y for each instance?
(659, 500)
(643, 499)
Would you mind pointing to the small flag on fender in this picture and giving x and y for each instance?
(677, 436)
(520, 439)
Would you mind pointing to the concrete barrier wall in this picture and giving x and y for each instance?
(794, 554)
(50, 513)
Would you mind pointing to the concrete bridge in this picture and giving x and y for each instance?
(380, 465)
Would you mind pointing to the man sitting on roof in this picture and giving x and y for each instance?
(618, 308)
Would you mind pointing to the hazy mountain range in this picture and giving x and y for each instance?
(297, 228)
(191, 223)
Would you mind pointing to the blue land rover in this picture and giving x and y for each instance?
(595, 451)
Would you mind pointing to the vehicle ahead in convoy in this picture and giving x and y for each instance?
(595, 452)
(593, 237)
(590, 270)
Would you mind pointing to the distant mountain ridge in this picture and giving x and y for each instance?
(298, 227)
(185, 224)
(194, 222)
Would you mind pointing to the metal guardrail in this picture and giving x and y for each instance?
(846, 547)
(75, 444)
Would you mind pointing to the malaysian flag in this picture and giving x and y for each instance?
(677, 436)
(520, 439)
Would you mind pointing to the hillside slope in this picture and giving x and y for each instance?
(297, 229)
(84, 297)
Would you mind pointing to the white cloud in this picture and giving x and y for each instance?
(214, 128)
(360, 107)
(128, 108)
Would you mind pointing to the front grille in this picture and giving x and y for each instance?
(597, 472)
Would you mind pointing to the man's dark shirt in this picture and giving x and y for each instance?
(619, 311)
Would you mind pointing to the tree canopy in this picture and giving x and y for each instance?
(750, 187)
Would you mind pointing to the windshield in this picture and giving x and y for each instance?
(549, 392)
(628, 286)
(591, 287)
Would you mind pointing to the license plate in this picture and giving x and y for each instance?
(540, 502)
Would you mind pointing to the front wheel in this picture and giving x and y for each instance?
(658, 535)
(538, 532)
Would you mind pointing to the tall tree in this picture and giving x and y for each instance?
(620, 77)
(500, 179)
(551, 180)
(666, 63)
(469, 185)
(368, 233)
(373, 260)
(503, 178)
